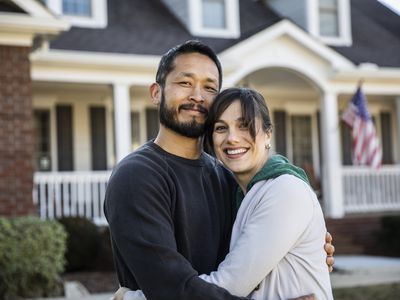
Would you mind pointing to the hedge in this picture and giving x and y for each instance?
(31, 257)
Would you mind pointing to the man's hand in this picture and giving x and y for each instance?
(307, 297)
(330, 250)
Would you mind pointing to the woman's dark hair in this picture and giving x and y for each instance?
(166, 64)
(253, 105)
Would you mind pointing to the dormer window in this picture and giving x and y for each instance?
(330, 21)
(81, 13)
(214, 18)
(214, 14)
(77, 8)
(328, 18)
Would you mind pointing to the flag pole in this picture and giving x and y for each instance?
(360, 82)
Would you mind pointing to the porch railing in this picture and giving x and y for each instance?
(59, 194)
(369, 190)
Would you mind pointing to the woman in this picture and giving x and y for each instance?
(276, 249)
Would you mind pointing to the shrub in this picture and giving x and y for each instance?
(83, 243)
(388, 237)
(31, 257)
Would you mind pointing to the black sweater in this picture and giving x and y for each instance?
(170, 220)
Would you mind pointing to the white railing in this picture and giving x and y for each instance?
(369, 190)
(59, 194)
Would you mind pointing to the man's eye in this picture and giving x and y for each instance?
(211, 89)
(184, 83)
(244, 126)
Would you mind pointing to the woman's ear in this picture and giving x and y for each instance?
(155, 93)
(268, 136)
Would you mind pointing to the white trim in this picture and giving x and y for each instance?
(93, 67)
(33, 8)
(232, 20)
(344, 23)
(87, 58)
(284, 27)
(97, 20)
(19, 29)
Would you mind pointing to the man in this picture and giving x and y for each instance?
(170, 205)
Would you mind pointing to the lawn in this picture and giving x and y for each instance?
(372, 292)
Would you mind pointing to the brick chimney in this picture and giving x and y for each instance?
(16, 132)
(20, 23)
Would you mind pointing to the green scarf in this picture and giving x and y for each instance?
(275, 166)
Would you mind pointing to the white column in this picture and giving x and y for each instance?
(397, 152)
(122, 120)
(332, 185)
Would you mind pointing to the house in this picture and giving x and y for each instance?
(91, 62)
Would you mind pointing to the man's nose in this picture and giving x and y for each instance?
(196, 94)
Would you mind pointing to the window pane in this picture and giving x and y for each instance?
(328, 18)
(302, 141)
(214, 14)
(77, 8)
(42, 140)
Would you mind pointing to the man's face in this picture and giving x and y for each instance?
(189, 91)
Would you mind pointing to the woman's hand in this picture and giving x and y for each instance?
(119, 294)
(330, 250)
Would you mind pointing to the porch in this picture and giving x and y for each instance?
(58, 194)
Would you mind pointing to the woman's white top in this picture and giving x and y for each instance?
(277, 244)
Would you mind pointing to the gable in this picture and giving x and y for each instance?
(283, 44)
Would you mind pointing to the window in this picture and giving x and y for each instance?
(328, 18)
(217, 18)
(42, 140)
(301, 140)
(213, 14)
(77, 7)
(81, 13)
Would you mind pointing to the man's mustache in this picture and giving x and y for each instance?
(199, 108)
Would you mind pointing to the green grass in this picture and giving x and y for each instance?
(372, 292)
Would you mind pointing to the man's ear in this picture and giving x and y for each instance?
(155, 93)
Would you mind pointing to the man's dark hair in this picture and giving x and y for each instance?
(253, 105)
(166, 64)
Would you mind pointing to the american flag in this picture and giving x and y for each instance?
(366, 147)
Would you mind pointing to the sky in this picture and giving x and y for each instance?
(392, 4)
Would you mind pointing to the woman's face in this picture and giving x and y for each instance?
(234, 145)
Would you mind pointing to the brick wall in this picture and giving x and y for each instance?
(357, 234)
(16, 132)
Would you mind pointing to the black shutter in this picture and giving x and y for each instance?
(64, 138)
(280, 132)
(386, 133)
(98, 138)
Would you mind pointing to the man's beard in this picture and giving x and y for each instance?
(169, 118)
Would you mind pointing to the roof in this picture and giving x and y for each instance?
(149, 28)
(376, 34)
(10, 7)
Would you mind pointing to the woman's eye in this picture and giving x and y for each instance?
(244, 126)
(219, 128)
